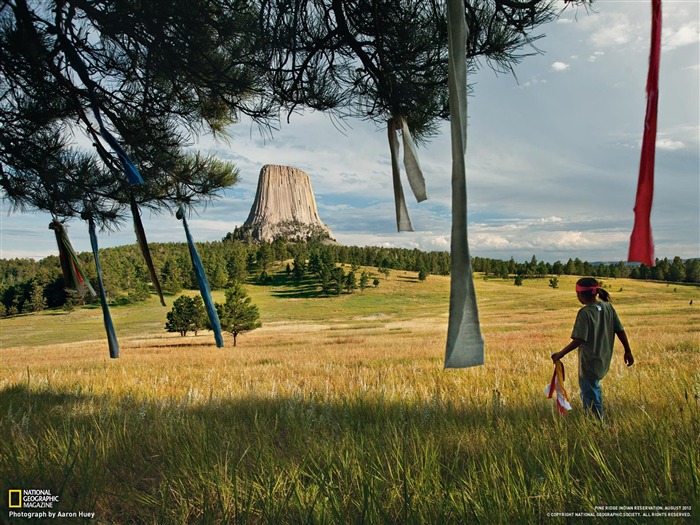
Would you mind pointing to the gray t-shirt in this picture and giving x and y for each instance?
(596, 324)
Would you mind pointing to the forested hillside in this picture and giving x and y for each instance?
(27, 285)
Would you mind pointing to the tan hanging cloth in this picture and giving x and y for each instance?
(403, 221)
(410, 162)
(413, 172)
(465, 345)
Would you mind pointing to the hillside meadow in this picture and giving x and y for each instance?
(338, 410)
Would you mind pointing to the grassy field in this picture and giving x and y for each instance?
(338, 410)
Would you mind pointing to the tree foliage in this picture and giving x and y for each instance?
(387, 59)
(186, 315)
(153, 73)
(125, 273)
(238, 314)
(156, 73)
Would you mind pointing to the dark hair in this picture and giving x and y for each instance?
(589, 294)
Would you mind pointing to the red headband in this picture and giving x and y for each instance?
(580, 288)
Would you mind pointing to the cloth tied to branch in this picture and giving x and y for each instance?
(202, 282)
(143, 244)
(641, 241)
(465, 344)
(556, 386)
(412, 167)
(73, 273)
(106, 316)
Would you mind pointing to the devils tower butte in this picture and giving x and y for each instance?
(284, 207)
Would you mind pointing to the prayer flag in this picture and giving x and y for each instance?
(202, 282)
(641, 241)
(556, 385)
(109, 326)
(465, 345)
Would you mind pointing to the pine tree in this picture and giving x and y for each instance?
(299, 268)
(364, 280)
(186, 315)
(337, 279)
(238, 314)
(147, 79)
(171, 276)
(36, 301)
(350, 282)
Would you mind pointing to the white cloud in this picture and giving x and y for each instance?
(614, 29)
(559, 66)
(533, 81)
(688, 33)
(669, 144)
(595, 56)
(550, 235)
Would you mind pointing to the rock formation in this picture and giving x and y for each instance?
(284, 207)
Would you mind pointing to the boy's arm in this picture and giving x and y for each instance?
(622, 336)
(573, 345)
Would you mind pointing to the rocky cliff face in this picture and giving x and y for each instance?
(284, 207)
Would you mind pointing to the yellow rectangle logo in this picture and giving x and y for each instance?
(15, 497)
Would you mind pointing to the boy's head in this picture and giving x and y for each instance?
(588, 290)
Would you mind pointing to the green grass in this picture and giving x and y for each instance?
(338, 411)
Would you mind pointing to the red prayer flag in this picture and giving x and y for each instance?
(641, 241)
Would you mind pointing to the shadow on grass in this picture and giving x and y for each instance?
(158, 460)
(294, 288)
(186, 342)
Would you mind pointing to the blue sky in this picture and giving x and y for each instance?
(552, 155)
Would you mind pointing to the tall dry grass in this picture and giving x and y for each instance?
(336, 412)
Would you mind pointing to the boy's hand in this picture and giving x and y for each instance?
(629, 359)
(556, 356)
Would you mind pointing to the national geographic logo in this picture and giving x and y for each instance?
(37, 504)
(31, 499)
(15, 497)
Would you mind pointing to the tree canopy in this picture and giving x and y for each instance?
(387, 59)
(153, 74)
(238, 314)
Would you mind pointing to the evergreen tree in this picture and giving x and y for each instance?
(337, 279)
(186, 315)
(299, 268)
(350, 282)
(554, 283)
(315, 263)
(142, 78)
(238, 314)
(364, 280)
(171, 277)
(676, 272)
(387, 59)
(36, 301)
(385, 270)
(692, 271)
(73, 299)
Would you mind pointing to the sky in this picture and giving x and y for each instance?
(552, 155)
